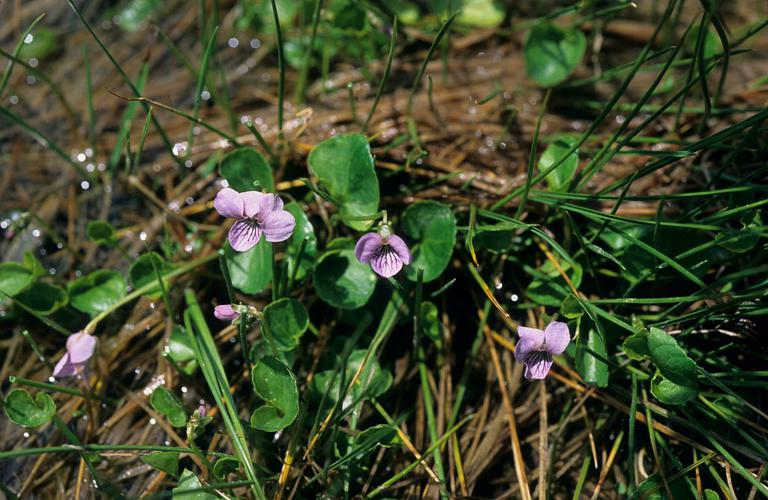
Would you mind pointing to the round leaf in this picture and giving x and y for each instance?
(551, 53)
(303, 231)
(245, 166)
(481, 13)
(43, 298)
(96, 292)
(287, 320)
(560, 177)
(142, 271)
(169, 405)
(275, 384)
(14, 278)
(22, 409)
(101, 232)
(670, 359)
(343, 166)
(342, 281)
(251, 271)
(432, 227)
(669, 392)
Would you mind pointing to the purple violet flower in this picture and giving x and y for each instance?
(225, 312)
(536, 348)
(80, 347)
(384, 251)
(256, 213)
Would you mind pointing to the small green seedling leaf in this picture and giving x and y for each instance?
(43, 298)
(671, 360)
(101, 232)
(142, 271)
(165, 461)
(134, 14)
(552, 53)
(591, 353)
(190, 488)
(744, 239)
(343, 166)
(571, 308)
(481, 14)
(96, 292)
(669, 392)
(287, 320)
(342, 281)
(41, 43)
(165, 402)
(23, 410)
(636, 346)
(225, 466)
(245, 166)
(432, 227)
(560, 177)
(251, 271)
(275, 384)
(15, 278)
(180, 351)
(373, 381)
(33, 264)
(430, 321)
(303, 231)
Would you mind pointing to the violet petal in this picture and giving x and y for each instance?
(399, 246)
(252, 203)
(386, 263)
(64, 368)
(244, 235)
(80, 347)
(537, 365)
(556, 337)
(278, 225)
(532, 334)
(229, 203)
(225, 312)
(367, 246)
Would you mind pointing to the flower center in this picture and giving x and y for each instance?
(536, 357)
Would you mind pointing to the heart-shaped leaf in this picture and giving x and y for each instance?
(343, 166)
(303, 231)
(242, 167)
(372, 382)
(22, 409)
(165, 402)
(342, 281)
(670, 359)
(101, 232)
(636, 346)
(142, 271)
(225, 466)
(96, 292)
(275, 384)
(251, 271)
(669, 392)
(552, 53)
(165, 461)
(432, 227)
(287, 320)
(180, 351)
(190, 488)
(560, 177)
(43, 298)
(15, 278)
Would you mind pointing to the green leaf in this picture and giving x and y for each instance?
(497, 238)
(592, 367)
(373, 381)
(181, 352)
(552, 53)
(33, 264)
(189, 488)
(636, 346)
(669, 392)
(571, 308)
(711, 495)
(43, 43)
(275, 384)
(744, 239)
(343, 166)
(430, 321)
(287, 320)
(23, 410)
(101, 232)
(242, 167)
(165, 461)
(303, 230)
(225, 466)
(670, 359)
(165, 402)
(142, 271)
(134, 14)
(383, 435)
(342, 281)
(481, 13)
(43, 298)
(560, 177)
(96, 292)
(551, 289)
(251, 271)
(432, 227)
(15, 278)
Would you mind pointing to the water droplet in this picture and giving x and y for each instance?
(14, 99)
(51, 380)
(31, 80)
(33, 62)
(143, 236)
(152, 421)
(36, 233)
(29, 38)
(255, 43)
(81, 157)
(233, 42)
(26, 434)
(184, 389)
(205, 95)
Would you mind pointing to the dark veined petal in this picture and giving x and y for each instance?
(244, 235)
(367, 246)
(523, 348)
(556, 337)
(80, 347)
(537, 365)
(386, 263)
(229, 203)
(278, 225)
(399, 246)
